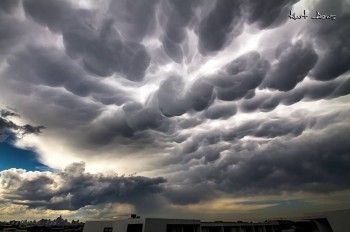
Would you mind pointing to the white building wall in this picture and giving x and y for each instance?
(97, 226)
(160, 225)
(122, 225)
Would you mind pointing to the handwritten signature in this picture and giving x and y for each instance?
(294, 16)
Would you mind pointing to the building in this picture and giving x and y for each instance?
(332, 221)
(176, 225)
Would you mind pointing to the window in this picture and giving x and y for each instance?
(181, 228)
(211, 229)
(134, 228)
(174, 228)
(108, 229)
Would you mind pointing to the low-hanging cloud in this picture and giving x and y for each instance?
(73, 188)
(8, 127)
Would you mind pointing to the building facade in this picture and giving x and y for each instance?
(332, 221)
(176, 225)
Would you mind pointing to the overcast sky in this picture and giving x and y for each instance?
(224, 109)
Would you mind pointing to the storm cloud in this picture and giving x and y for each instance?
(189, 101)
(334, 59)
(275, 156)
(294, 63)
(8, 127)
(240, 76)
(73, 188)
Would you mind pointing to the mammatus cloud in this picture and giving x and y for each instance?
(96, 42)
(262, 157)
(334, 58)
(290, 70)
(259, 167)
(205, 100)
(240, 77)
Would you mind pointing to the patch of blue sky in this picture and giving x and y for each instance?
(14, 157)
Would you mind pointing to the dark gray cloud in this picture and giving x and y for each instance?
(63, 109)
(49, 13)
(134, 125)
(210, 144)
(171, 101)
(332, 39)
(198, 148)
(174, 101)
(201, 94)
(143, 118)
(297, 165)
(8, 127)
(173, 50)
(268, 129)
(175, 18)
(98, 44)
(126, 80)
(135, 61)
(311, 91)
(297, 159)
(8, 5)
(12, 36)
(240, 76)
(221, 25)
(265, 103)
(5, 124)
(220, 110)
(37, 65)
(294, 63)
(99, 48)
(135, 19)
(29, 129)
(189, 122)
(267, 14)
(103, 52)
(226, 20)
(73, 188)
(186, 194)
(7, 113)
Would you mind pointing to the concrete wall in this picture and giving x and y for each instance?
(238, 227)
(160, 225)
(149, 224)
(97, 226)
(118, 226)
(122, 225)
(339, 220)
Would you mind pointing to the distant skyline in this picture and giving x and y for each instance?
(214, 110)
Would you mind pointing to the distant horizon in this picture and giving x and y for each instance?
(307, 216)
(125, 217)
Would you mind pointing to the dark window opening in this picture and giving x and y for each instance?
(211, 228)
(247, 229)
(134, 228)
(231, 229)
(108, 229)
(181, 228)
